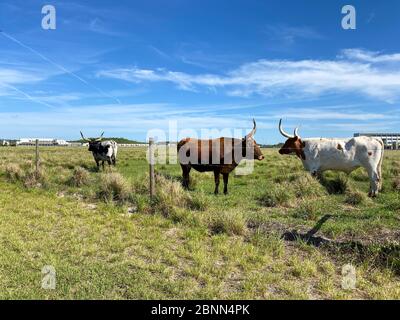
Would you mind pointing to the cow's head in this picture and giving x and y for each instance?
(293, 144)
(250, 144)
(94, 143)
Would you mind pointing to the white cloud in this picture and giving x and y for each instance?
(356, 72)
(370, 56)
(12, 76)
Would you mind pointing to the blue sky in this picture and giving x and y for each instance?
(125, 67)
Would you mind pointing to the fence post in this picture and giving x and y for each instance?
(37, 156)
(151, 163)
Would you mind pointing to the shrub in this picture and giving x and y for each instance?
(355, 197)
(14, 173)
(231, 223)
(277, 195)
(80, 177)
(113, 186)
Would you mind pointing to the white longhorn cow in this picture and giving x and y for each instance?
(348, 154)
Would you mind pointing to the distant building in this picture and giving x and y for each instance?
(42, 142)
(390, 140)
(4, 143)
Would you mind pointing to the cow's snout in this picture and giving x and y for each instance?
(261, 158)
(280, 151)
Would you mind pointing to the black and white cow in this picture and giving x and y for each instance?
(102, 150)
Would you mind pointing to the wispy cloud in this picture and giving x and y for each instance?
(288, 35)
(355, 71)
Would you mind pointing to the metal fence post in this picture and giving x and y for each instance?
(151, 164)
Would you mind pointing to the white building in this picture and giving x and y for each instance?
(42, 142)
(391, 140)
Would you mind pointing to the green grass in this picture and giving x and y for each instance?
(107, 240)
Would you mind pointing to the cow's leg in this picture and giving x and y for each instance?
(98, 165)
(102, 164)
(114, 161)
(225, 177)
(185, 175)
(109, 163)
(216, 180)
(374, 181)
(379, 170)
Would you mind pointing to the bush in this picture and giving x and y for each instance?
(80, 177)
(113, 186)
(277, 195)
(231, 223)
(14, 173)
(355, 197)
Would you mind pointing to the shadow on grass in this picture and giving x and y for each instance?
(336, 185)
(384, 255)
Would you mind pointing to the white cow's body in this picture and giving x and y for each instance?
(346, 155)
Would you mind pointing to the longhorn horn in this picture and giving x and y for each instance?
(296, 132)
(84, 139)
(101, 137)
(253, 131)
(283, 132)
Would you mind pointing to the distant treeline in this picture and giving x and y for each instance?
(118, 140)
(278, 145)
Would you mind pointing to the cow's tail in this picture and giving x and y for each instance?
(380, 162)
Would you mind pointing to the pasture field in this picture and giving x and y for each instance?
(106, 240)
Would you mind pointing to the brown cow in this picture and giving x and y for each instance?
(221, 155)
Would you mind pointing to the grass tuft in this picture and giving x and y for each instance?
(14, 172)
(354, 197)
(35, 179)
(171, 195)
(80, 177)
(396, 184)
(230, 222)
(277, 195)
(113, 187)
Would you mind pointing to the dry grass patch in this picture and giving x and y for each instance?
(114, 187)
(14, 172)
(229, 222)
(171, 195)
(80, 177)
